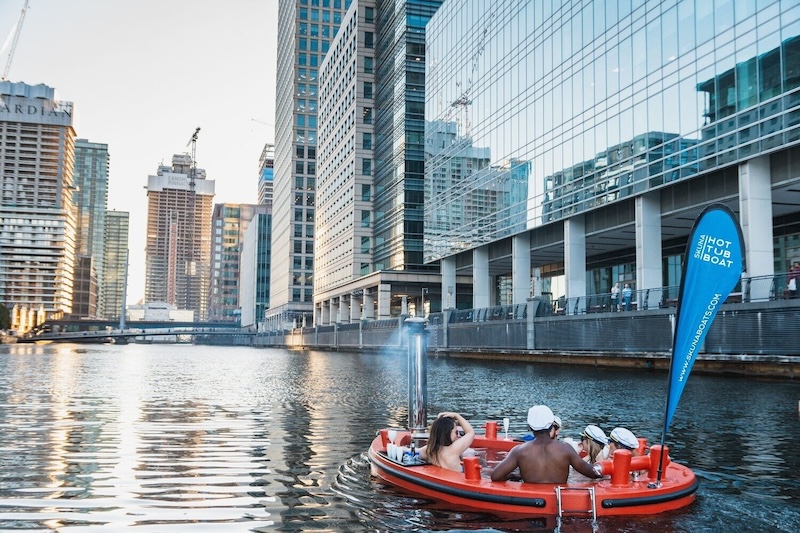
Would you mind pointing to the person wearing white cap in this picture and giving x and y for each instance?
(593, 441)
(544, 459)
(622, 439)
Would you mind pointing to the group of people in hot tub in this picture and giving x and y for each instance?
(542, 459)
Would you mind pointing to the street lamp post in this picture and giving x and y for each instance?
(422, 303)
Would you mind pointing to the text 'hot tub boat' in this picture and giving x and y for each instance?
(618, 495)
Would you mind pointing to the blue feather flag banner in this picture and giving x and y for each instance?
(712, 267)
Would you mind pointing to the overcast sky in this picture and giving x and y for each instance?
(143, 75)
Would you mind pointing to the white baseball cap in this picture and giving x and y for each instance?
(540, 417)
(624, 437)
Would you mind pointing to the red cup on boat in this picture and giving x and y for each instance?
(491, 429)
(384, 438)
(472, 467)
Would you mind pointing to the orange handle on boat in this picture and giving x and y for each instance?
(491, 429)
(472, 468)
(642, 449)
(655, 457)
(622, 467)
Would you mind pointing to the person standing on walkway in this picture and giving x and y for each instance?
(626, 296)
(615, 297)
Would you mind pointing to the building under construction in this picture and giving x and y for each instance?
(178, 251)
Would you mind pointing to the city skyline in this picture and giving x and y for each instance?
(144, 76)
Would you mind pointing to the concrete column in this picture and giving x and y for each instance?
(368, 312)
(480, 278)
(384, 301)
(448, 266)
(344, 310)
(575, 262)
(326, 313)
(404, 305)
(531, 331)
(648, 250)
(755, 217)
(521, 267)
(355, 308)
(334, 311)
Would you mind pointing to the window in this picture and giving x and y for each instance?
(366, 141)
(364, 245)
(312, 152)
(369, 39)
(298, 168)
(369, 15)
(369, 65)
(366, 192)
(298, 246)
(300, 151)
(311, 168)
(367, 115)
(366, 166)
(365, 218)
(298, 230)
(367, 89)
(298, 180)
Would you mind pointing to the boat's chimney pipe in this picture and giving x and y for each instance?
(417, 376)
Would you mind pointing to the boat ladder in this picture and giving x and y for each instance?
(590, 492)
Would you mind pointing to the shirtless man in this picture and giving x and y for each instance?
(544, 459)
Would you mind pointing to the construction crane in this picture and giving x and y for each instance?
(14, 37)
(465, 99)
(193, 170)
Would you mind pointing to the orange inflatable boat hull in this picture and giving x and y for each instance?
(620, 494)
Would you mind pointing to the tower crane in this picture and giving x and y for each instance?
(193, 169)
(14, 37)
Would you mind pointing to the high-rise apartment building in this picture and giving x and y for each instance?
(115, 263)
(610, 126)
(305, 30)
(229, 223)
(368, 260)
(37, 214)
(178, 250)
(90, 195)
(266, 174)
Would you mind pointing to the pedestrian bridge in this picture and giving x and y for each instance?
(94, 331)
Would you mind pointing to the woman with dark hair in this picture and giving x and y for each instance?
(446, 444)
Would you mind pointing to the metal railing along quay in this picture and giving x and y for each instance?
(749, 334)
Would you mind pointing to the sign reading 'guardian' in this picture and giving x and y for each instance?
(712, 267)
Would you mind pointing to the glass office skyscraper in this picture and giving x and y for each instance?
(305, 30)
(91, 198)
(632, 115)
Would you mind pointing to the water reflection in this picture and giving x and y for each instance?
(172, 438)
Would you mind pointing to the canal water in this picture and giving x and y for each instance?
(191, 438)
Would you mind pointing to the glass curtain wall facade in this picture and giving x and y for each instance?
(229, 223)
(400, 125)
(605, 101)
(305, 30)
(116, 258)
(91, 198)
